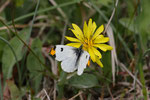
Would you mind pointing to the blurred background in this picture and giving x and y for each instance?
(30, 28)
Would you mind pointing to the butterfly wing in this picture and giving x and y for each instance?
(63, 52)
(69, 64)
(67, 55)
(83, 62)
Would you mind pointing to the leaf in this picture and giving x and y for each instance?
(129, 24)
(22, 8)
(107, 69)
(144, 16)
(2, 43)
(61, 84)
(105, 2)
(14, 91)
(8, 58)
(19, 3)
(143, 22)
(83, 81)
(34, 66)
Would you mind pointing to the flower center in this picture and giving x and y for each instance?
(88, 43)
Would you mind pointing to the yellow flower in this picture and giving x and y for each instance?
(91, 39)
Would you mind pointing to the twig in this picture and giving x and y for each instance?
(29, 97)
(59, 9)
(49, 58)
(4, 5)
(54, 92)
(64, 32)
(110, 92)
(25, 25)
(47, 95)
(41, 30)
(112, 15)
(124, 67)
(80, 92)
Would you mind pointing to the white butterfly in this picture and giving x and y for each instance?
(72, 58)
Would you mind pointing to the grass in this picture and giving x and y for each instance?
(127, 79)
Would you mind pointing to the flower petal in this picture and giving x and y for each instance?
(75, 32)
(98, 32)
(72, 39)
(76, 45)
(89, 28)
(90, 23)
(84, 48)
(96, 52)
(85, 28)
(99, 62)
(103, 47)
(78, 30)
(93, 28)
(92, 55)
(101, 39)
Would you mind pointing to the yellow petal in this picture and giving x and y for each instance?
(89, 30)
(75, 32)
(101, 39)
(103, 47)
(93, 28)
(84, 48)
(99, 62)
(96, 52)
(85, 29)
(90, 23)
(98, 32)
(72, 39)
(78, 30)
(92, 55)
(76, 45)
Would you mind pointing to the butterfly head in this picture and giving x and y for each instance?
(52, 52)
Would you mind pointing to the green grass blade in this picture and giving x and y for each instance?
(142, 81)
(119, 36)
(37, 6)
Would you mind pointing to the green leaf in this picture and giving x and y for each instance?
(107, 69)
(61, 83)
(19, 3)
(143, 22)
(14, 91)
(22, 7)
(2, 44)
(144, 16)
(8, 59)
(34, 66)
(104, 2)
(129, 24)
(83, 81)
